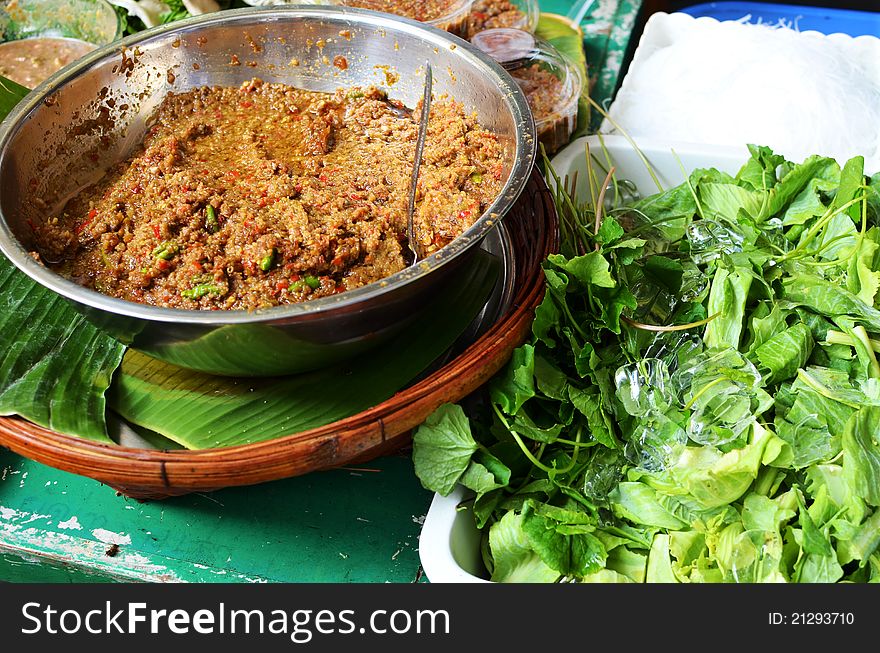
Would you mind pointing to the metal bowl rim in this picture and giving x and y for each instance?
(521, 167)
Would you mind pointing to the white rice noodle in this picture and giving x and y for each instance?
(732, 83)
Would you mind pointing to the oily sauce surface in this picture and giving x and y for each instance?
(267, 194)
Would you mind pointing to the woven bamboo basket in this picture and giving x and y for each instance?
(153, 474)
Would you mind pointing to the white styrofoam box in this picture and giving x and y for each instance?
(449, 544)
(728, 93)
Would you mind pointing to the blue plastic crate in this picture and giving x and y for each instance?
(826, 20)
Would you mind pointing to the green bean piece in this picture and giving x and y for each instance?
(268, 260)
(312, 282)
(211, 222)
(199, 291)
(166, 249)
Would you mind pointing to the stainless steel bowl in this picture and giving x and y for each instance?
(85, 118)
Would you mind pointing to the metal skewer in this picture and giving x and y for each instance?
(420, 146)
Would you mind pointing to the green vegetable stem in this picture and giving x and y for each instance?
(202, 289)
(212, 225)
(166, 250)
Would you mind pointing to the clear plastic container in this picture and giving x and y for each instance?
(491, 14)
(42, 36)
(552, 82)
(450, 15)
(93, 21)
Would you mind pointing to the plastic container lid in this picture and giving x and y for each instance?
(491, 14)
(551, 81)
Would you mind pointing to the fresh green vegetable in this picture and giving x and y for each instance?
(176, 11)
(211, 222)
(200, 290)
(166, 250)
(167, 11)
(700, 398)
(268, 260)
(307, 281)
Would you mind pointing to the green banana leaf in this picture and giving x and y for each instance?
(54, 366)
(10, 95)
(201, 411)
(570, 41)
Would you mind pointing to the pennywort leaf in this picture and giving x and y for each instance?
(442, 449)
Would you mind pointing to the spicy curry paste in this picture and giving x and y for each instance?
(249, 197)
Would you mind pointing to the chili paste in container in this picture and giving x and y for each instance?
(30, 61)
(449, 15)
(551, 81)
(242, 198)
(489, 14)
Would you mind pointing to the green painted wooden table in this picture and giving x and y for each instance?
(345, 525)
